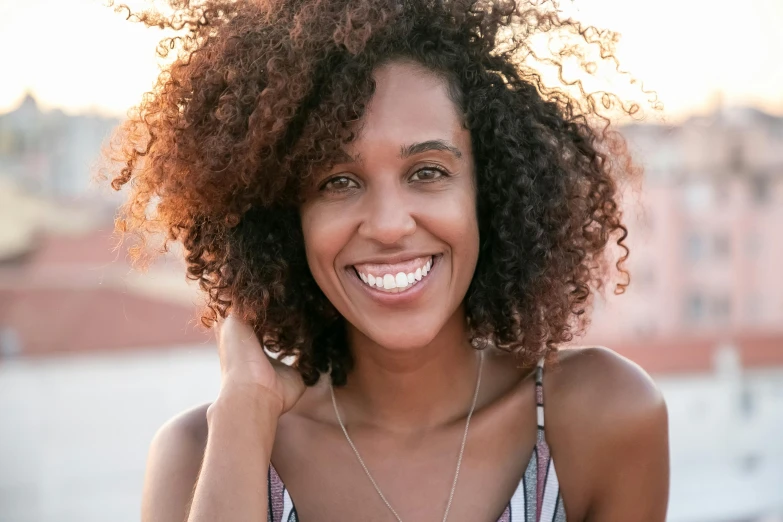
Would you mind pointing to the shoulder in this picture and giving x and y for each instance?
(605, 418)
(173, 465)
(608, 383)
(185, 431)
(598, 392)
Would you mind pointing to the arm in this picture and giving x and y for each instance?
(219, 456)
(608, 429)
(636, 452)
(173, 465)
(211, 463)
(233, 480)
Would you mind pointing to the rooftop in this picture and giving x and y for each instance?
(684, 355)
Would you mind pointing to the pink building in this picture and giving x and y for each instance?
(704, 312)
(706, 231)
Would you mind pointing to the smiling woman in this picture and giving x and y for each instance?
(405, 204)
(386, 193)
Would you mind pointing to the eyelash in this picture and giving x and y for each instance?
(442, 173)
(325, 185)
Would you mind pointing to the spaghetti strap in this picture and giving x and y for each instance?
(548, 503)
(540, 398)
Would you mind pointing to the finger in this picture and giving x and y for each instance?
(234, 329)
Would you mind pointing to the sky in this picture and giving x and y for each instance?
(79, 55)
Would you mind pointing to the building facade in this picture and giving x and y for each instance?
(705, 230)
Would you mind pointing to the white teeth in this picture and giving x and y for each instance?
(396, 283)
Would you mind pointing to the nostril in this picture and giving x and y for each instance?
(388, 227)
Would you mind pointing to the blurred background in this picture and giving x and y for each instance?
(94, 357)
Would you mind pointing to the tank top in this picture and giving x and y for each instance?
(536, 499)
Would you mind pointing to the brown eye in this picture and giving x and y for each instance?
(427, 174)
(339, 183)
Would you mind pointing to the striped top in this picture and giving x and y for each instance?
(536, 499)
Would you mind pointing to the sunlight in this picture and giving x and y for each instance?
(80, 55)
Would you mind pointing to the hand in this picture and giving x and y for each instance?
(244, 364)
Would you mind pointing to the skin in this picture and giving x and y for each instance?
(407, 397)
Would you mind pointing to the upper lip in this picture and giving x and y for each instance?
(390, 260)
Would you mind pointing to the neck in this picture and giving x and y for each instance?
(411, 390)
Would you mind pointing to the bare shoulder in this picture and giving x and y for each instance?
(609, 384)
(173, 465)
(606, 421)
(181, 438)
(187, 426)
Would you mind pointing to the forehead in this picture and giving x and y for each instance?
(410, 104)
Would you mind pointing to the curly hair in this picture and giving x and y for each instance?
(261, 96)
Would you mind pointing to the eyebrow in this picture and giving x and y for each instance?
(407, 151)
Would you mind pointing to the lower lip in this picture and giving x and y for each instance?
(406, 296)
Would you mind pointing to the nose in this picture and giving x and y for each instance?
(387, 216)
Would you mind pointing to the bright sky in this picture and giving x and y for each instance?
(80, 55)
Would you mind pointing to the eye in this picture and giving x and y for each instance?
(428, 174)
(339, 183)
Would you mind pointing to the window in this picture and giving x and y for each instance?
(760, 189)
(694, 247)
(694, 307)
(721, 246)
(721, 307)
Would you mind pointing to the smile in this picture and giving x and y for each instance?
(397, 277)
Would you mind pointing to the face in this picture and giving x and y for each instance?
(391, 232)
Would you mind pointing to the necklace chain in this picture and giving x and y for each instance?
(459, 459)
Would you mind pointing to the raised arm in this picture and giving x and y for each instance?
(211, 463)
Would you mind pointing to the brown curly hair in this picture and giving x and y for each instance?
(261, 96)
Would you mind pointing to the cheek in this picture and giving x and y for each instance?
(468, 244)
(318, 245)
(455, 222)
(324, 234)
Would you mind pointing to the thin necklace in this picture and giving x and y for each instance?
(459, 459)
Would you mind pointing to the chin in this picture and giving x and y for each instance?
(402, 339)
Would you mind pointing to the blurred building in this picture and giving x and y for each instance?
(93, 359)
(93, 355)
(705, 231)
(76, 292)
(51, 153)
(725, 402)
(704, 311)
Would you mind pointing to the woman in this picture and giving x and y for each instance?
(386, 194)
